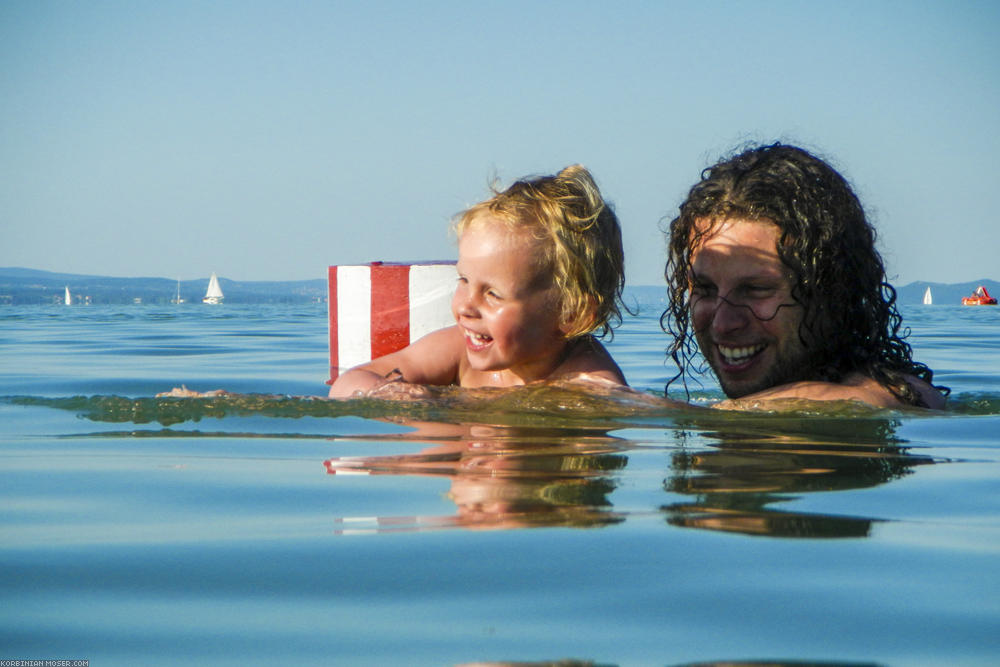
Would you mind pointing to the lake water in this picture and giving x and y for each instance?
(529, 527)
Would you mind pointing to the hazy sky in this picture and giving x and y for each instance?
(267, 140)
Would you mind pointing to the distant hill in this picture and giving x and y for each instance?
(31, 286)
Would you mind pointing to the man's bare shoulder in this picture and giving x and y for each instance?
(855, 387)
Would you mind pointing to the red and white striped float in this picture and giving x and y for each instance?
(382, 307)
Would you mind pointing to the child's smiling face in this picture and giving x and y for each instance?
(508, 311)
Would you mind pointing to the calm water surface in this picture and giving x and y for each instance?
(527, 527)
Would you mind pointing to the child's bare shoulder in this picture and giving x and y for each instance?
(589, 357)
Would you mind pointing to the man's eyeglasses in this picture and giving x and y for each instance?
(762, 302)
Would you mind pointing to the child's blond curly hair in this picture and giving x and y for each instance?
(581, 243)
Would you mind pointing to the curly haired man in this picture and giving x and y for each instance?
(774, 276)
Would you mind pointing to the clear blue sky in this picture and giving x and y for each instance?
(267, 140)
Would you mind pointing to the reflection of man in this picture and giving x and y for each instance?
(739, 482)
(773, 272)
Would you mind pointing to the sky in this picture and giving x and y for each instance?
(269, 140)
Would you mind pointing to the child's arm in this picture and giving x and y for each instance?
(432, 360)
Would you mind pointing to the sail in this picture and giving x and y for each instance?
(214, 293)
(68, 300)
(928, 300)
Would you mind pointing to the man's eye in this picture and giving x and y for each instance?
(701, 290)
(759, 291)
(493, 295)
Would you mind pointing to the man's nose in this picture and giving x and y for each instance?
(729, 317)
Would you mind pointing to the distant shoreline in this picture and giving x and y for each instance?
(19, 286)
(22, 286)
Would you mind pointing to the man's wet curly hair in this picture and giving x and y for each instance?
(850, 320)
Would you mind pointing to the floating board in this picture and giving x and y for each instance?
(382, 307)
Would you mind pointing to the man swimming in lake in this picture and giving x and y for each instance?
(773, 274)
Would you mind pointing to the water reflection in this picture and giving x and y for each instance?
(740, 469)
(727, 473)
(506, 477)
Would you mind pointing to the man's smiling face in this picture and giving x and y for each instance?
(744, 317)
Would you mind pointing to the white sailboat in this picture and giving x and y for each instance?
(928, 300)
(214, 293)
(178, 299)
(68, 300)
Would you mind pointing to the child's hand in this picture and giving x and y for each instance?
(396, 388)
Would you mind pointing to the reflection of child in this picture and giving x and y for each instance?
(540, 267)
